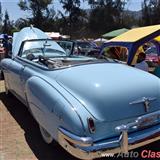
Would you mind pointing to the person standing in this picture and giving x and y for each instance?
(141, 63)
(7, 44)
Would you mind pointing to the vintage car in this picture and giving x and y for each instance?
(67, 45)
(86, 48)
(128, 44)
(90, 106)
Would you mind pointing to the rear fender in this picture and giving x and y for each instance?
(50, 108)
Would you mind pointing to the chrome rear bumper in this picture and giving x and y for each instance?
(85, 148)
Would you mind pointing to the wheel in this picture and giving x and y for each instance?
(45, 135)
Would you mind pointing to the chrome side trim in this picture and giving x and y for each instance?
(143, 99)
(82, 141)
(141, 121)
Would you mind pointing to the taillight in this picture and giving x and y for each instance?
(91, 125)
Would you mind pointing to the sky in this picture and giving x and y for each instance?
(15, 13)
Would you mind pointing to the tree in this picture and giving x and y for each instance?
(40, 10)
(74, 17)
(0, 16)
(106, 15)
(21, 23)
(7, 24)
(0, 13)
(150, 12)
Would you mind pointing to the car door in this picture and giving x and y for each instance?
(16, 68)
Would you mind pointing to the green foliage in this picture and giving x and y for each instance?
(150, 12)
(7, 24)
(0, 14)
(42, 14)
(101, 16)
(21, 23)
(106, 15)
(0, 17)
(76, 16)
(129, 19)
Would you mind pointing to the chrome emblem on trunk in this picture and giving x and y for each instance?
(145, 100)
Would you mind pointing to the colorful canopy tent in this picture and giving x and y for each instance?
(115, 33)
(134, 38)
(157, 38)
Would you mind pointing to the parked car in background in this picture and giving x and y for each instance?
(67, 45)
(81, 102)
(83, 48)
(86, 48)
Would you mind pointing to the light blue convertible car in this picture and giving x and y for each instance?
(91, 107)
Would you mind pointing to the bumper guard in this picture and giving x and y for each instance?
(85, 148)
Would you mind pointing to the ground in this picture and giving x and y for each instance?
(20, 138)
(19, 134)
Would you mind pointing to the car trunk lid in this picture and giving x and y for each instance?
(111, 91)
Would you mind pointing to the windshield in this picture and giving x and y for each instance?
(47, 48)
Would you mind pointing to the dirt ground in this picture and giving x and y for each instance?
(20, 138)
